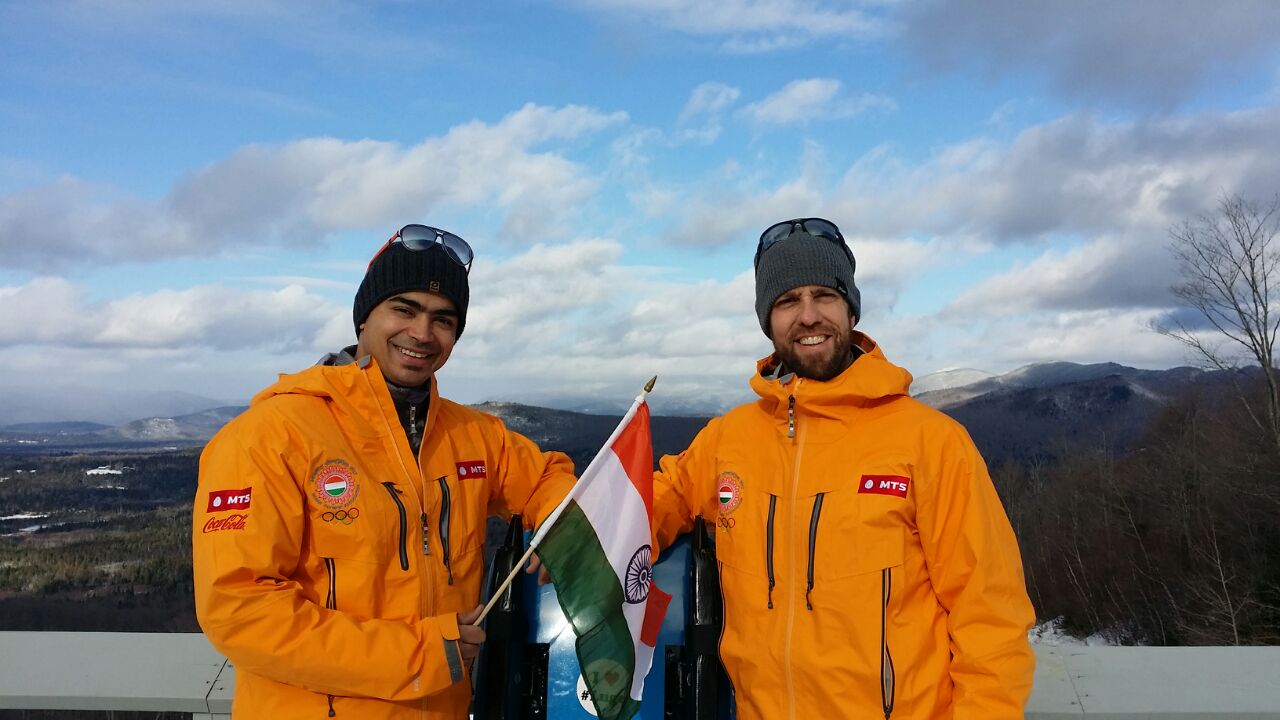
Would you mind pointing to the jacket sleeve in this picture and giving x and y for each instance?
(530, 481)
(682, 488)
(976, 571)
(267, 623)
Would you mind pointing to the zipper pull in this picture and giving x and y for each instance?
(791, 416)
(413, 427)
(426, 544)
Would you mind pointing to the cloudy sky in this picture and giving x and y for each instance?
(189, 192)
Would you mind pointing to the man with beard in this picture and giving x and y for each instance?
(339, 522)
(867, 567)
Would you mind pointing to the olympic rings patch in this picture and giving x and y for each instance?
(343, 516)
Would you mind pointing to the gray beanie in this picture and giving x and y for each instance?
(802, 259)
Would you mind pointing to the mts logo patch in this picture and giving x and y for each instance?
(895, 485)
(472, 469)
(220, 500)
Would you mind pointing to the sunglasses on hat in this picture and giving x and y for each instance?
(424, 237)
(816, 227)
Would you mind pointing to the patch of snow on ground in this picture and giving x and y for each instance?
(1050, 633)
(25, 516)
(103, 470)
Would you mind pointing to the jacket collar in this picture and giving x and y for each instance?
(869, 382)
(358, 389)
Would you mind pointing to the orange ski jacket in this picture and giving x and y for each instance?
(867, 566)
(330, 563)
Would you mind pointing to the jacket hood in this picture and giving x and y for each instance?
(358, 387)
(325, 381)
(870, 381)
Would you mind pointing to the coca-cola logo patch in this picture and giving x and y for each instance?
(234, 521)
(220, 500)
(895, 485)
(472, 469)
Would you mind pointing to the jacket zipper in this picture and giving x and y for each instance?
(797, 434)
(791, 416)
(444, 525)
(887, 678)
(404, 524)
(331, 602)
(427, 607)
(813, 544)
(768, 544)
(414, 441)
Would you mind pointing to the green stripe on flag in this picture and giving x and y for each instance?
(591, 597)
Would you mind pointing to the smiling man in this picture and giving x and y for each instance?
(867, 567)
(339, 522)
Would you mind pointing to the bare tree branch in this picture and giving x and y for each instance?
(1228, 261)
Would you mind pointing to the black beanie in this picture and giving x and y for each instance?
(802, 259)
(399, 269)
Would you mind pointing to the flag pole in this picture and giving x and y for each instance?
(573, 493)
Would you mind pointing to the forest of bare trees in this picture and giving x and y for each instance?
(1176, 542)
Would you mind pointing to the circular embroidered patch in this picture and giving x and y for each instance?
(333, 484)
(730, 489)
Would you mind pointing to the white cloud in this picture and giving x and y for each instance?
(814, 99)
(709, 98)
(582, 323)
(52, 312)
(705, 106)
(298, 193)
(1144, 53)
(1107, 272)
(1085, 336)
(749, 25)
(1073, 175)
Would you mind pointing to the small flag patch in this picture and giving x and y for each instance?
(730, 489)
(334, 484)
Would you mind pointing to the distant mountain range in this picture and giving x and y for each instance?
(1032, 413)
(96, 404)
(1039, 411)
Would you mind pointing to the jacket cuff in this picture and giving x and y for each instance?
(443, 664)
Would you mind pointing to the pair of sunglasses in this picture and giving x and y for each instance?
(816, 227)
(424, 237)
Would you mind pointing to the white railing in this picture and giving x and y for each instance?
(181, 672)
(161, 672)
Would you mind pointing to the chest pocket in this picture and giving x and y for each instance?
(453, 526)
(742, 528)
(364, 526)
(852, 533)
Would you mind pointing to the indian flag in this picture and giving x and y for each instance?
(598, 552)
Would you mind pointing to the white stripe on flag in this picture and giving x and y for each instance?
(620, 519)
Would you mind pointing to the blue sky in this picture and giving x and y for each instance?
(189, 192)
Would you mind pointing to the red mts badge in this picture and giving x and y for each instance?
(472, 469)
(895, 485)
(220, 500)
